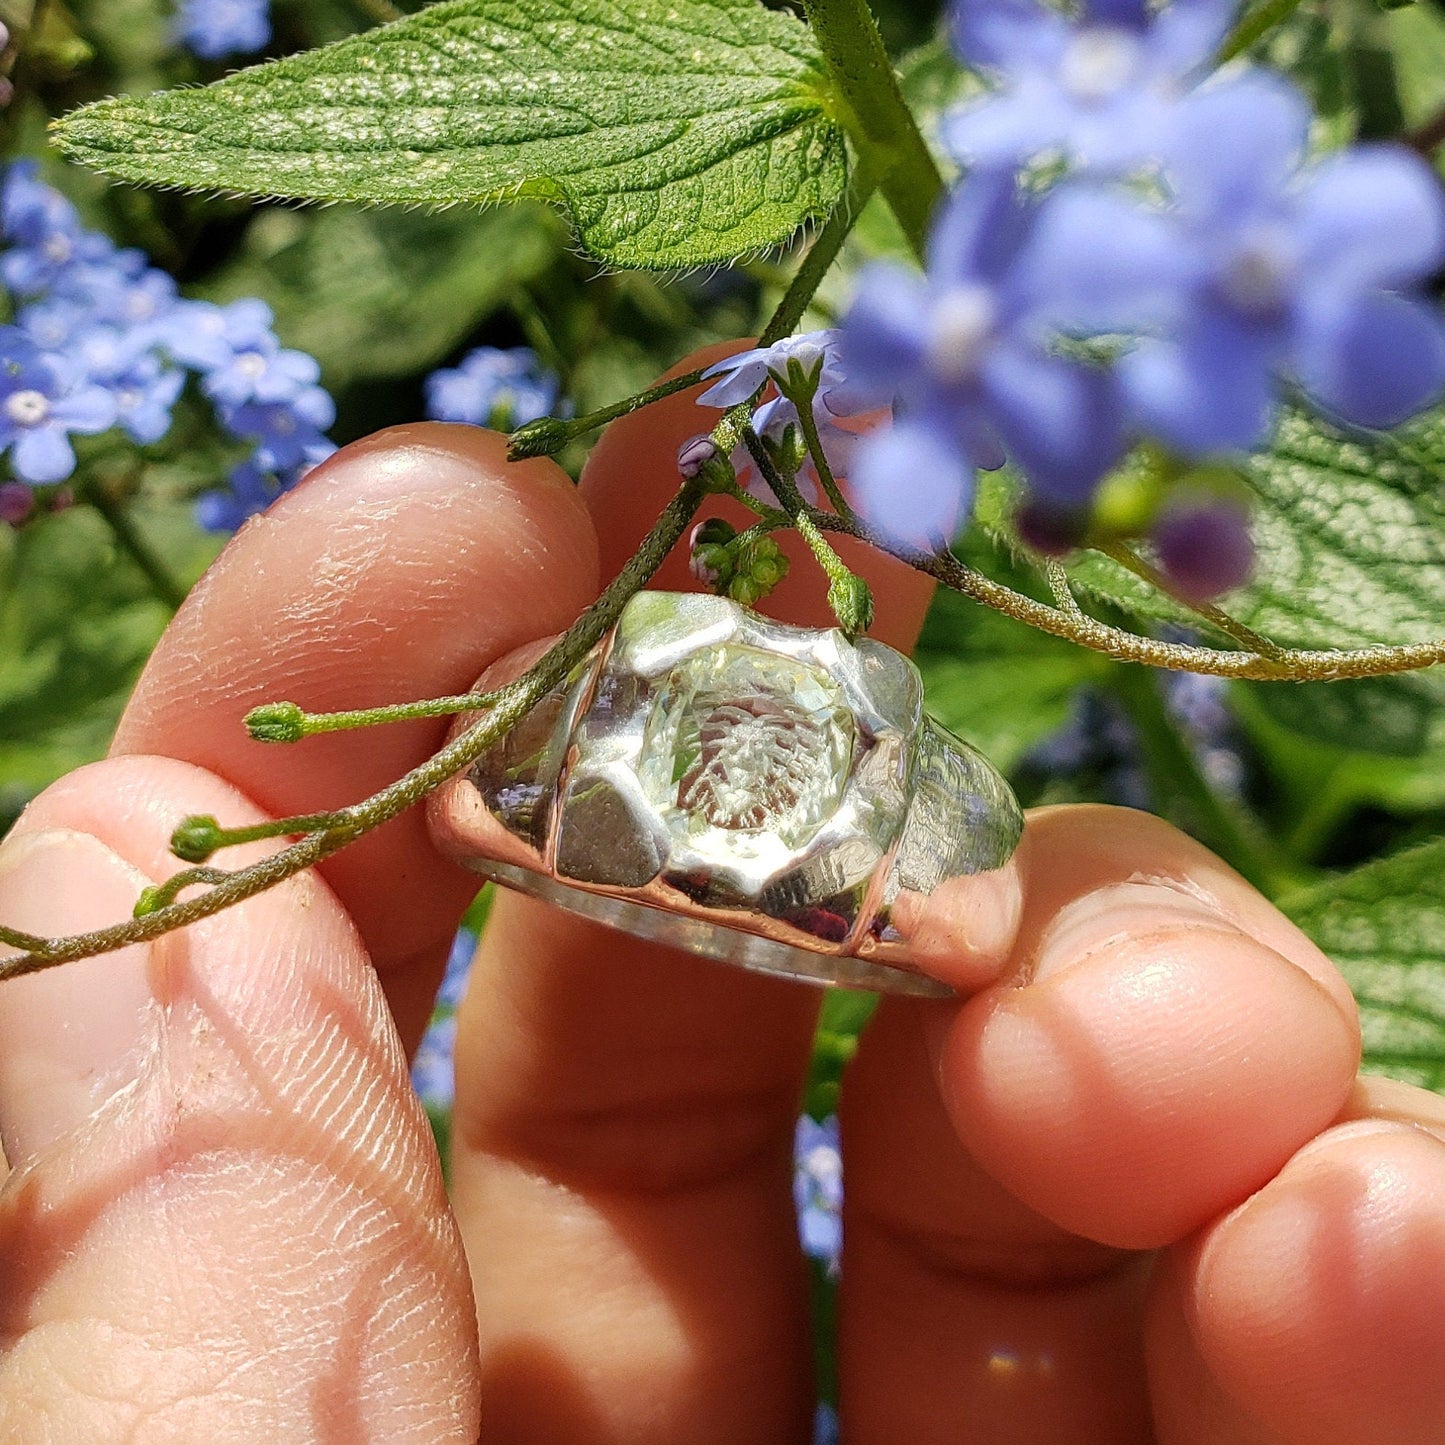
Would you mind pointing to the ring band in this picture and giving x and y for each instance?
(768, 795)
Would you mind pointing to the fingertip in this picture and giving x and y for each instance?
(1141, 1080)
(1315, 1306)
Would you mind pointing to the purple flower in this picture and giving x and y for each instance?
(42, 401)
(1204, 545)
(967, 350)
(1312, 276)
(492, 387)
(818, 1188)
(214, 29)
(1097, 90)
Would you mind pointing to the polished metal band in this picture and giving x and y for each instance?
(768, 795)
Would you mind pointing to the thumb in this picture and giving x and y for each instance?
(224, 1218)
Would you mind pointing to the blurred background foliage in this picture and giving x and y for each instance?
(1292, 784)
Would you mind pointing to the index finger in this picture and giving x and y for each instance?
(400, 569)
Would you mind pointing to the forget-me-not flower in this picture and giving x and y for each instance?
(1096, 90)
(214, 29)
(967, 347)
(492, 386)
(818, 1188)
(42, 401)
(1260, 271)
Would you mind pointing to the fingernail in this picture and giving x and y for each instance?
(72, 1035)
(1092, 924)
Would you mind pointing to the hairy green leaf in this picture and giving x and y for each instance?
(1384, 924)
(675, 134)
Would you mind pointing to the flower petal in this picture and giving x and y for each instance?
(1374, 216)
(1373, 359)
(1096, 261)
(884, 336)
(42, 455)
(1187, 33)
(1209, 391)
(1007, 35)
(1232, 148)
(1008, 126)
(978, 231)
(911, 481)
(1060, 422)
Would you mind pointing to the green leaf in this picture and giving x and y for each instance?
(1351, 538)
(375, 294)
(76, 625)
(677, 134)
(1384, 924)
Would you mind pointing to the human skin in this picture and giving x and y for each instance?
(1127, 1189)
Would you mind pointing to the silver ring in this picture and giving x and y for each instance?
(767, 795)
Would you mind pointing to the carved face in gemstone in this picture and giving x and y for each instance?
(746, 750)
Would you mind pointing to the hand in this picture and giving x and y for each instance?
(1133, 1181)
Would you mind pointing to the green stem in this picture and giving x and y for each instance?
(881, 125)
(1179, 785)
(433, 707)
(809, 423)
(1254, 25)
(163, 583)
(553, 433)
(1129, 559)
(1287, 664)
(786, 491)
(510, 705)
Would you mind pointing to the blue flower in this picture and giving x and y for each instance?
(459, 967)
(433, 1070)
(264, 372)
(825, 1425)
(143, 389)
(207, 337)
(249, 490)
(214, 29)
(818, 1188)
(967, 348)
(1097, 91)
(287, 433)
(740, 377)
(492, 387)
(1261, 271)
(45, 233)
(43, 400)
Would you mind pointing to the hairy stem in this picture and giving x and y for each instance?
(1284, 664)
(1128, 558)
(879, 121)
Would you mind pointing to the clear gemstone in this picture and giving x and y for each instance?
(743, 744)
